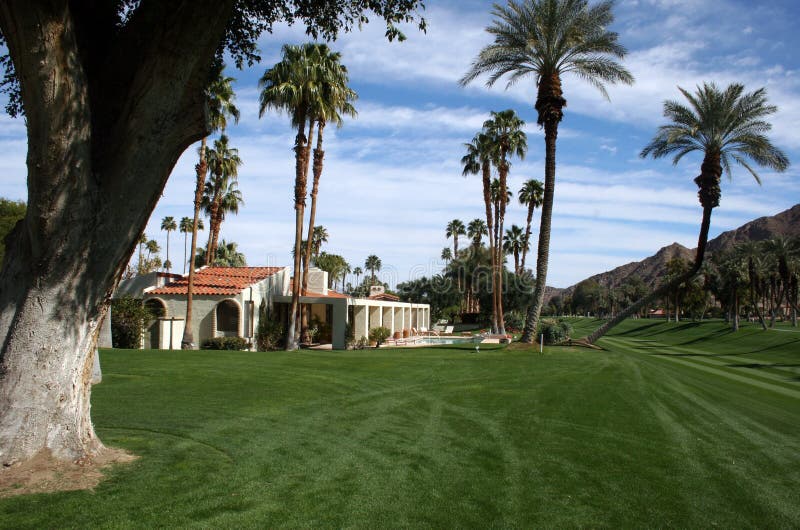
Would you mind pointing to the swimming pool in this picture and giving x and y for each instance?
(449, 340)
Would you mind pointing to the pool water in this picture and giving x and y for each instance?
(448, 340)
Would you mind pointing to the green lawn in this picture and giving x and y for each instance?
(674, 425)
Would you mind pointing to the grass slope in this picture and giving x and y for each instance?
(654, 432)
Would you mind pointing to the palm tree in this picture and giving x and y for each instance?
(220, 193)
(142, 241)
(454, 229)
(545, 39)
(476, 229)
(168, 224)
(753, 255)
(446, 256)
(358, 272)
(514, 243)
(319, 236)
(186, 227)
(530, 195)
(505, 132)
(372, 264)
(219, 102)
(294, 85)
(479, 160)
(726, 126)
(333, 101)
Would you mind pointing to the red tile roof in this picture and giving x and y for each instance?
(385, 297)
(223, 281)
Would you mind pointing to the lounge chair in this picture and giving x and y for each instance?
(449, 330)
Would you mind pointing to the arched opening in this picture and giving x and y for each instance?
(228, 315)
(157, 310)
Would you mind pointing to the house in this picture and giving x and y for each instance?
(227, 302)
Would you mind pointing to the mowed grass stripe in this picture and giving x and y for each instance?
(759, 380)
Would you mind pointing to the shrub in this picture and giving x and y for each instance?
(128, 319)
(379, 335)
(554, 331)
(361, 343)
(225, 343)
(271, 334)
(514, 321)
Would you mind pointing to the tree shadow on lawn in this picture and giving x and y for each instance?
(637, 331)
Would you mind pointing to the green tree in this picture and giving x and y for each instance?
(115, 89)
(454, 229)
(514, 243)
(168, 224)
(227, 255)
(446, 256)
(10, 213)
(530, 196)
(372, 264)
(546, 39)
(727, 127)
(476, 229)
(358, 272)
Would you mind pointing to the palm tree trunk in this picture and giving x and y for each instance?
(212, 217)
(487, 200)
(299, 207)
(666, 288)
(185, 242)
(187, 342)
(318, 155)
(543, 251)
(527, 237)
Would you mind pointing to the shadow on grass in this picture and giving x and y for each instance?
(638, 330)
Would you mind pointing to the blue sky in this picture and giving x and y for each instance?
(392, 177)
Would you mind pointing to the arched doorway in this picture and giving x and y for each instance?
(228, 316)
(152, 330)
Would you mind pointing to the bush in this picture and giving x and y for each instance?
(554, 331)
(361, 343)
(128, 319)
(379, 335)
(271, 335)
(514, 321)
(225, 343)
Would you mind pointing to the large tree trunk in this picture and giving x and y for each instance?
(503, 170)
(305, 319)
(486, 174)
(300, 186)
(107, 118)
(187, 342)
(543, 250)
(528, 220)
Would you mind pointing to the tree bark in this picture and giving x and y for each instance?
(299, 207)
(187, 342)
(486, 175)
(305, 319)
(107, 118)
(528, 220)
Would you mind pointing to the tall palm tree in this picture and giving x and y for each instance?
(530, 195)
(318, 237)
(358, 272)
(753, 255)
(168, 224)
(479, 160)
(726, 127)
(220, 193)
(220, 104)
(514, 243)
(505, 131)
(546, 39)
(372, 264)
(333, 102)
(293, 86)
(454, 229)
(142, 242)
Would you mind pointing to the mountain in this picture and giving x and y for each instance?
(786, 223)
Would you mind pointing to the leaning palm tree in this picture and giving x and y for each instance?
(372, 264)
(293, 86)
(547, 39)
(531, 196)
(168, 224)
(514, 243)
(726, 127)
(219, 102)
